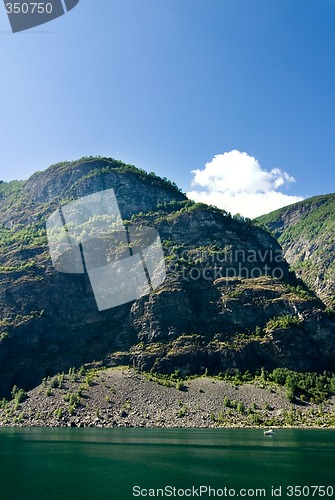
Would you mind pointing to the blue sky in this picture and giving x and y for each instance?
(168, 85)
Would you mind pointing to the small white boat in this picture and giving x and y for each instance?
(269, 432)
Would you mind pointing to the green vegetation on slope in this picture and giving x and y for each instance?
(11, 188)
(306, 232)
(311, 217)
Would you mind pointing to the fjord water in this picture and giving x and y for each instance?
(102, 464)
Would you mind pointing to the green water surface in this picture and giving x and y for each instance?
(103, 464)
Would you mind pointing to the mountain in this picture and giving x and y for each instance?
(229, 300)
(306, 231)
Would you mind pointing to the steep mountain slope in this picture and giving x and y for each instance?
(229, 300)
(306, 232)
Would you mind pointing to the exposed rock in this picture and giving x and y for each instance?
(203, 402)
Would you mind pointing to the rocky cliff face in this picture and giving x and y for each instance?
(229, 300)
(306, 232)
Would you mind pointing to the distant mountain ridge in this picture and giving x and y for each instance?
(214, 312)
(306, 231)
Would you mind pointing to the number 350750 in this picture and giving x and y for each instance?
(28, 8)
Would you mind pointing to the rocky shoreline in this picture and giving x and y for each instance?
(122, 397)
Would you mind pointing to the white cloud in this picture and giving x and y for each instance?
(236, 182)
